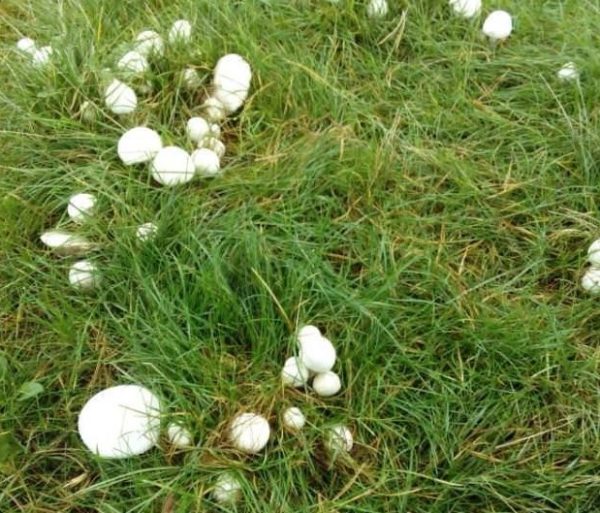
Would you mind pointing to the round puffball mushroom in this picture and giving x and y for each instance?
(149, 42)
(232, 77)
(191, 79)
(65, 243)
(497, 26)
(568, 73)
(591, 280)
(146, 232)
(81, 206)
(84, 275)
(214, 110)
(594, 253)
(133, 62)
(139, 144)
(308, 332)
(42, 56)
(120, 422)
(318, 355)
(181, 32)
(179, 436)
(327, 384)
(27, 45)
(249, 432)
(294, 373)
(294, 419)
(213, 144)
(339, 439)
(228, 489)
(172, 166)
(377, 9)
(466, 8)
(197, 129)
(206, 162)
(120, 98)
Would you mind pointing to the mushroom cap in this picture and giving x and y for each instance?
(42, 56)
(214, 144)
(309, 331)
(231, 101)
(466, 8)
(249, 432)
(120, 98)
(191, 78)
(594, 253)
(318, 355)
(181, 31)
(134, 62)
(232, 73)
(227, 489)
(65, 243)
(377, 8)
(498, 25)
(139, 144)
(120, 421)
(84, 275)
(214, 110)
(172, 166)
(146, 231)
(27, 45)
(197, 129)
(568, 72)
(591, 280)
(80, 206)
(327, 384)
(294, 419)
(206, 162)
(149, 42)
(294, 373)
(179, 436)
(339, 439)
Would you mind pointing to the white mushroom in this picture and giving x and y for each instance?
(65, 243)
(172, 166)
(87, 112)
(133, 62)
(594, 253)
(497, 26)
(120, 98)
(377, 9)
(197, 129)
(294, 373)
(327, 384)
(27, 45)
(249, 432)
(179, 436)
(146, 231)
(214, 130)
(139, 144)
(339, 439)
(84, 275)
(232, 77)
(120, 421)
(149, 42)
(317, 354)
(206, 162)
(228, 489)
(181, 31)
(466, 8)
(591, 280)
(212, 143)
(81, 206)
(191, 79)
(293, 419)
(42, 56)
(214, 110)
(568, 73)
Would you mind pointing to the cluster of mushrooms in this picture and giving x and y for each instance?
(125, 420)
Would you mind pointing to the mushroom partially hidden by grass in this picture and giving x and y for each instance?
(172, 166)
(120, 422)
(179, 436)
(293, 419)
(181, 32)
(214, 110)
(27, 45)
(206, 162)
(377, 8)
(466, 8)
(81, 207)
(146, 232)
(214, 144)
(339, 439)
(42, 56)
(84, 275)
(228, 489)
(120, 98)
(591, 280)
(191, 79)
(249, 432)
(133, 62)
(497, 26)
(149, 43)
(568, 73)
(139, 144)
(294, 373)
(197, 129)
(65, 243)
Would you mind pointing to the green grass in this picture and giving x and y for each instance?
(424, 199)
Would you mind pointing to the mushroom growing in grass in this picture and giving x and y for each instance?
(206, 162)
(214, 144)
(327, 384)
(191, 79)
(466, 8)
(133, 62)
(149, 43)
(120, 422)
(339, 439)
(179, 436)
(197, 129)
(120, 98)
(316, 352)
(81, 207)
(181, 32)
(294, 373)
(65, 243)
(214, 110)
(84, 275)
(249, 432)
(228, 489)
(27, 45)
(568, 73)
(377, 8)
(172, 166)
(497, 26)
(594, 253)
(146, 232)
(139, 144)
(293, 419)
(42, 56)
(591, 280)
(231, 80)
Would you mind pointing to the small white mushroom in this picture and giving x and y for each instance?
(466, 8)
(594, 253)
(497, 26)
(591, 280)
(214, 110)
(214, 130)
(27, 45)
(249, 432)
(139, 144)
(181, 32)
(81, 206)
(294, 373)
(327, 384)
(84, 275)
(133, 62)
(146, 232)
(377, 8)
(179, 436)
(293, 419)
(339, 439)
(228, 489)
(172, 166)
(212, 143)
(317, 354)
(149, 42)
(206, 162)
(120, 98)
(568, 73)
(120, 421)
(42, 56)
(191, 79)
(197, 129)
(65, 243)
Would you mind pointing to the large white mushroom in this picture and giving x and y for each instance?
(179, 436)
(327, 384)
(339, 439)
(293, 419)
(27, 45)
(181, 32)
(81, 206)
(139, 144)
(120, 421)
(133, 62)
(65, 243)
(231, 80)
(149, 42)
(591, 280)
(197, 129)
(206, 162)
(228, 489)
(377, 8)
(466, 8)
(84, 275)
(249, 432)
(316, 352)
(294, 373)
(497, 26)
(120, 98)
(172, 166)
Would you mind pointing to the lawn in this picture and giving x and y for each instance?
(425, 199)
